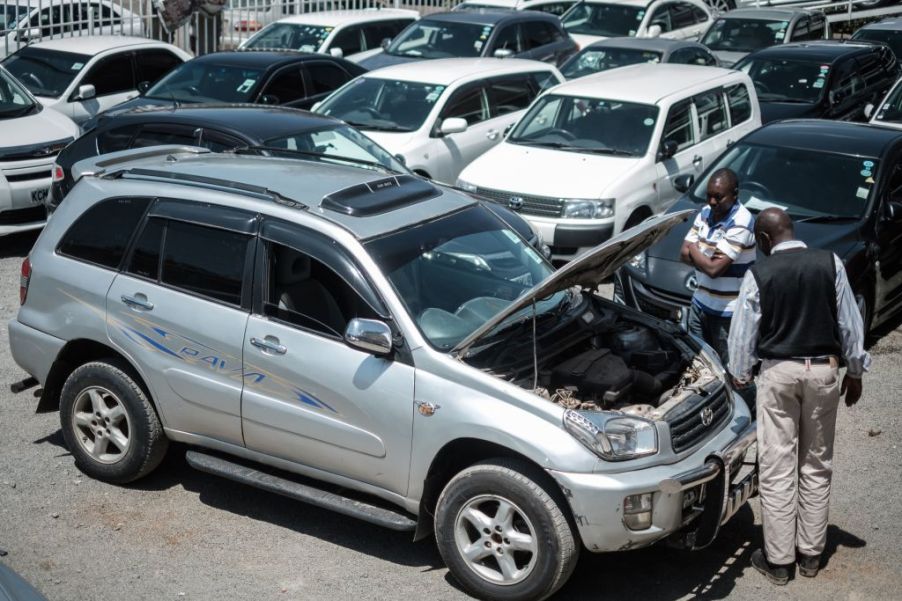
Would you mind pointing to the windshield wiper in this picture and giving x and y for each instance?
(273, 149)
(21, 112)
(826, 219)
(610, 151)
(372, 127)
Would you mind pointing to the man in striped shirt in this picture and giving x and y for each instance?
(721, 247)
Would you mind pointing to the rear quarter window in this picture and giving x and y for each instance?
(101, 234)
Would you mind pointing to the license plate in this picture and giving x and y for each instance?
(39, 196)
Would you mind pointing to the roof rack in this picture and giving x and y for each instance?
(211, 183)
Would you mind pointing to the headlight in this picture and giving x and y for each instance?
(466, 186)
(639, 262)
(577, 208)
(616, 438)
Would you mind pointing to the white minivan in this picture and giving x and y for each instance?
(32, 137)
(594, 20)
(441, 114)
(602, 153)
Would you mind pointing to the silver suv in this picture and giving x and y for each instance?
(384, 335)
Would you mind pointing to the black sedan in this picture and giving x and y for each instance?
(820, 79)
(296, 79)
(840, 182)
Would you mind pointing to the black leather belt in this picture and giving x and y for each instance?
(812, 360)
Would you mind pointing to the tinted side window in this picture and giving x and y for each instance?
(508, 39)
(661, 17)
(102, 232)
(205, 261)
(286, 86)
(543, 81)
(374, 33)
(305, 292)
(699, 16)
(682, 56)
(509, 95)
(712, 114)
(556, 8)
(112, 75)
(681, 15)
(816, 29)
(535, 34)
(145, 257)
(156, 136)
(869, 69)
(468, 104)
(348, 40)
(678, 126)
(325, 78)
(115, 139)
(154, 64)
(739, 103)
(800, 31)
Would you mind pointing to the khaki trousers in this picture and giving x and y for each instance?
(797, 406)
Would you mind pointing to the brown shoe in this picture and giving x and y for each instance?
(778, 575)
(809, 565)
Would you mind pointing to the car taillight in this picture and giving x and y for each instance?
(58, 174)
(23, 280)
(248, 25)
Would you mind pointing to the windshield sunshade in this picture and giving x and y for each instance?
(383, 104)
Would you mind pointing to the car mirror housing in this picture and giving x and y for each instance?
(369, 335)
(386, 42)
(453, 125)
(654, 31)
(337, 52)
(892, 210)
(269, 99)
(668, 149)
(503, 53)
(683, 182)
(868, 110)
(85, 92)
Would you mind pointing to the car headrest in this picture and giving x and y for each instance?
(291, 267)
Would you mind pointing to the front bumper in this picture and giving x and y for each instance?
(571, 237)
(694, 496)
(24, 186)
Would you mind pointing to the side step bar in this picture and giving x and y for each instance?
(395, 520)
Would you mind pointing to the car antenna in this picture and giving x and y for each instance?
(535, 353)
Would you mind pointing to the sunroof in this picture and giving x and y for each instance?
(380, 196)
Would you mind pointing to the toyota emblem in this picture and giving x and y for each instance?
(707, 416)
(692, 283)
(515, 202)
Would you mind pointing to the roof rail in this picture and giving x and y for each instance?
(211, 183)
(99, 165)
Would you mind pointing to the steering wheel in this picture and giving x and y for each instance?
(765, 193)
(34, 79)
(371, 112)
(562, 133)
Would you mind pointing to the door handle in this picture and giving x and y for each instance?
(138, 301)
(696, 160)
(269, 344)
(492, 134)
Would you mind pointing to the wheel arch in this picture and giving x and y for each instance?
(639, 214)
(459, 454)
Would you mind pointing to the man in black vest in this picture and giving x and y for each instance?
(796, 313)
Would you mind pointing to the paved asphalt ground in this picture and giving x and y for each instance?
(181, 534)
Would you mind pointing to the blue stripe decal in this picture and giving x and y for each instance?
(157, 344)
(160, 332)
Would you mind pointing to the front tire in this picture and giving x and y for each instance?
(503, 532)
(109, 424)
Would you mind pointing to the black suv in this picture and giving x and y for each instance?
(840, 182)
(826, 79)
(521, 34)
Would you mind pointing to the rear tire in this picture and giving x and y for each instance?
(109, 424)
(504, 533)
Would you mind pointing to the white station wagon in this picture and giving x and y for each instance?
(602, 153)
(441, 114)
(595, 20)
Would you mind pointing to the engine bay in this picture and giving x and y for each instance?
(607, 360)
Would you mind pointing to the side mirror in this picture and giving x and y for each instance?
(654, 31)
(337, 52)
(369, 335)
(29, 34)
(453, 125)
(269, 99)
(892, 210)
(400, 158)
(836, 97)
(143, 87)
(668, 149)
(683, 182)
(868, 110)
(503, 53)
(85, 92)
(386, 42)
(316, 105)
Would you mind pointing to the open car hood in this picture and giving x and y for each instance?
(588, 271)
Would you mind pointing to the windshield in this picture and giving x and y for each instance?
(440, 39)
(594, 60)
(781, 80)
(608, 20)
(207, 82)
(14, 100)
(804, 183)
(383, 104)
(45, 72)
(744, 35)
(891, 38)
(307, 38)
(456, 272)
(336, 143)
(589, 125)
(10, 14)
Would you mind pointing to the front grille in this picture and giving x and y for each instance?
(27, 177)
(668, 297)
(687, 427)
(527, 204)
(654, 310)
(20, 216)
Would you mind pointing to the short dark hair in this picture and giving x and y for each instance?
(729, 176)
